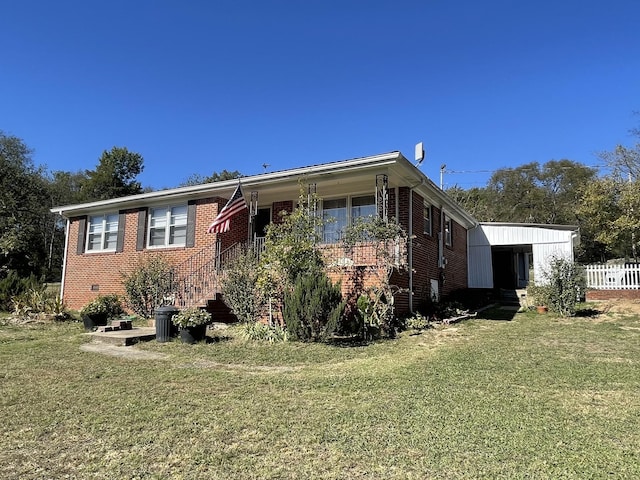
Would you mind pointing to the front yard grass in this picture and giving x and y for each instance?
(534, 397)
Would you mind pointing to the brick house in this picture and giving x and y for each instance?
(106, 239)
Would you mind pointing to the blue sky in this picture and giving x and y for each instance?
(201, 86)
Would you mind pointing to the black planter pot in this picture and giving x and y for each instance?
(192, 335)
(92, 322)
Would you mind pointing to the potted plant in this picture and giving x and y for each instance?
(99, 310)
(540, 296)
(192, 323)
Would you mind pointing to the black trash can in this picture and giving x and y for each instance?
(164, 326)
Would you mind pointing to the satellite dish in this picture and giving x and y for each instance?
(419, 154)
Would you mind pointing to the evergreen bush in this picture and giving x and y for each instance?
(312, 309)
(565, 286)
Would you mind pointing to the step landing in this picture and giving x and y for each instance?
(125, 337)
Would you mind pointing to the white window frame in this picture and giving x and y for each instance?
(172, 219)
(427, 217)
(350, 215)
(104, 227)
(448, 231)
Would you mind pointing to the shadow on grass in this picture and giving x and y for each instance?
(349, 341)
(497, 312)
(587, 313)
(217, 339)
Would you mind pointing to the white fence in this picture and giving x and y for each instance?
(613, 277)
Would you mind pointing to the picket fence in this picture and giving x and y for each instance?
(613, 277)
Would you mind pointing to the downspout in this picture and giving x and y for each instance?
(410, 250)
(64, 260)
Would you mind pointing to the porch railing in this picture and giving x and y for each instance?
(613, 277)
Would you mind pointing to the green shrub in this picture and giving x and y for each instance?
(109, 305)
(191, 317)
(418, 322)
(565, 286)
(147, 285)
(313, 308)
(239, 290)
(257, 331)
(14, 286)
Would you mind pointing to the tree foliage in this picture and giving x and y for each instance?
(198, 179)
(115, 175)
(291, 248)
(610, 212)
(24, 210)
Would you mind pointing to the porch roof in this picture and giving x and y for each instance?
(401, 172)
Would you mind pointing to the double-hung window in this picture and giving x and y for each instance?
(427, 219)
(167, 226)
(102, 235)
(448, 233)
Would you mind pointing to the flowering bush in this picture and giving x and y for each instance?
(191, 317)
(109, 305)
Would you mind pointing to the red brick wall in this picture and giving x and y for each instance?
(278, 207)
(455, 272)
(594, 295)
(425, 255)
(104, 271)
(425, 252)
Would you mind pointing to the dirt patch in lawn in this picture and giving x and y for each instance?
(122, 352)
(624, 307)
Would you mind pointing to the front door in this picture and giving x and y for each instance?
(262, 219)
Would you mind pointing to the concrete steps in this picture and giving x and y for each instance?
(124, 337)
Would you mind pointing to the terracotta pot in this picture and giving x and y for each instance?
(542, 309)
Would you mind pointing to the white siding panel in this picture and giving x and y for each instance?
(543, 253)
(517, 235)
(480, 267)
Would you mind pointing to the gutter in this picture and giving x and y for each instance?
(194, 191)
(64, 258)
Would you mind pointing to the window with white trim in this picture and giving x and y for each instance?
(102, 233)
(427, 219)
(448, 231)
(363, 207)
(337, 213)
(334, 217)
(167, 226)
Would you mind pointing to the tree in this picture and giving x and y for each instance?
(24, 210)
(537, 193)
(610, 209)
(115, 175)
(197, 179)
(624, 162)
(290, 250)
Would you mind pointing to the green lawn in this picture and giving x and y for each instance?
(534, 397)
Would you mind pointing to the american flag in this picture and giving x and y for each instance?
(235, 205)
